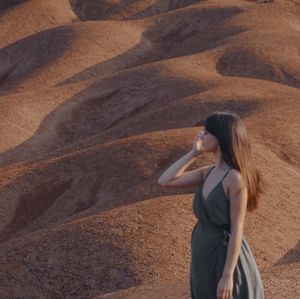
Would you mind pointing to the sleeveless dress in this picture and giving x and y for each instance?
(209, 243)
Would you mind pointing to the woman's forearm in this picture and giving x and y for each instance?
(177, 168)
(233, 252)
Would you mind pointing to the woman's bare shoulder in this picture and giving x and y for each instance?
(235, 177)
(234, 182)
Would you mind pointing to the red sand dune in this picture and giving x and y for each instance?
(94, 107)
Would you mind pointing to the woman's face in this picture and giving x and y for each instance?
(209, 142)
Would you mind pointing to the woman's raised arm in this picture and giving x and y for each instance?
(175, 177)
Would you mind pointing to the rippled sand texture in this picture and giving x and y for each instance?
(97, 98)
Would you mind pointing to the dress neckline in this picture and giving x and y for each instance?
(215, 187)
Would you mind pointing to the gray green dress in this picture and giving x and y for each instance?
(209, 243)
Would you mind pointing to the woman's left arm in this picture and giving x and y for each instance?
(238, 208)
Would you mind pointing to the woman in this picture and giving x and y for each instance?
(222, 264)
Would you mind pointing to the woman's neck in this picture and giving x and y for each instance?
(220, 163)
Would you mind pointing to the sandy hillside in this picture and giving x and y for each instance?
(97, 99)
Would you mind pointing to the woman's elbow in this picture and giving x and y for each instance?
(161, 183)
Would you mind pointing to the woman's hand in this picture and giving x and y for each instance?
(197, 146)
(225, 287)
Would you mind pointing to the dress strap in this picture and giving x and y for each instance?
(222, 177)
(225, 174)
(208, 173)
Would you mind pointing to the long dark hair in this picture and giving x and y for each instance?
(236, 150)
